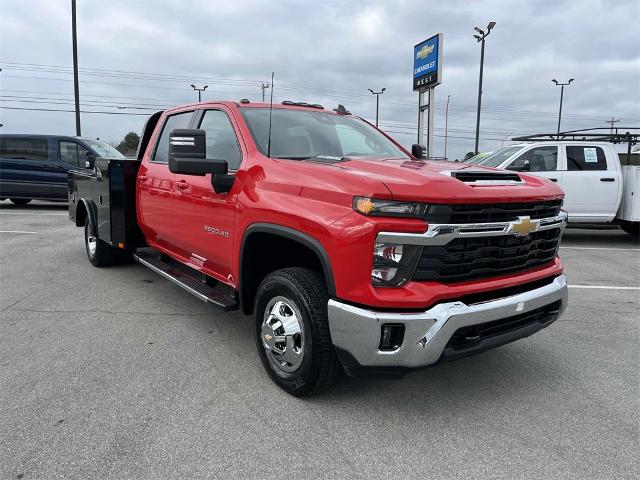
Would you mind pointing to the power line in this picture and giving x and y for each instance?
(71, 111)
(251, 83)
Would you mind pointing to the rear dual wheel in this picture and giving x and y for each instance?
(292, 331)
(100, 254)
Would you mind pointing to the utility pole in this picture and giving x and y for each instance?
(480, 39)
(611, 122)
(76, 88)
(446, 126)
(264, 87)
(377, 94)
(562, 85)
(199, 90)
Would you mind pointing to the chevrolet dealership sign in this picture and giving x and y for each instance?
(427, 63)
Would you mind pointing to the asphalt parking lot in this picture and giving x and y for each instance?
(116, 373)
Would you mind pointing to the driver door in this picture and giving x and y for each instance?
(204, 219)
(71, 156)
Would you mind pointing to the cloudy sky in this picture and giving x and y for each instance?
(136, 57)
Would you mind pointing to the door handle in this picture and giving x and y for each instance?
(553, 179)
(607, 179)
(182, 185)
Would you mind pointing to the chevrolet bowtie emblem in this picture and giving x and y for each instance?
(523, 226)
(268, 337)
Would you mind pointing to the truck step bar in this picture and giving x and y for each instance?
(188, 282)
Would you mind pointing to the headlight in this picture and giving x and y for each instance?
(388, 208)
(393, 264)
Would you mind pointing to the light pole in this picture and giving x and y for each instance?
(76, 88)
(199, 90)
(562, 85)
(446, 126)
(377, 94)
(480, 39)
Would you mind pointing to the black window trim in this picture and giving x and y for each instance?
(152, 158)
(199, 116)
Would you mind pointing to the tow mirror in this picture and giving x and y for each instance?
(418, 150)
(188, 154)
(523, 167)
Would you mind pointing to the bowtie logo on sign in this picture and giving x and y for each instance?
(424, 52)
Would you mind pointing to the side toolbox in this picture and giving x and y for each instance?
(108, 196)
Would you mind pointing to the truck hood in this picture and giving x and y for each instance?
(434, 181)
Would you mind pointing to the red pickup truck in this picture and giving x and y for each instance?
(349, 250)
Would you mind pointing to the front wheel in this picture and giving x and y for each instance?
(292, 331)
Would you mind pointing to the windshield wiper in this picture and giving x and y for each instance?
(295, 157)
(332, 158)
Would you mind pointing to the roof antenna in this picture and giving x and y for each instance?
(270, 111)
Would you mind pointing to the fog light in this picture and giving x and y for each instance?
(391, 336)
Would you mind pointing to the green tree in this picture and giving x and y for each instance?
(129, 144)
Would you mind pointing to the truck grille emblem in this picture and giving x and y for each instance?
(523, 226)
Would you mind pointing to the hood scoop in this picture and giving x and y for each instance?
(479, 177)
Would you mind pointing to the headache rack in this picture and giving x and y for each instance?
(621, 135)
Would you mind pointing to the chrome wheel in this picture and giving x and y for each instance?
(282, 334)
(91, 244)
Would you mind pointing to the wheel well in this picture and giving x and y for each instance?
(81, 214)
(263, 253)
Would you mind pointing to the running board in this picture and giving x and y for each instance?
(188, 282)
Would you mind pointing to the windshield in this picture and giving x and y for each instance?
(302, 134)
(499, 156)
(478, 158)
(103, 149)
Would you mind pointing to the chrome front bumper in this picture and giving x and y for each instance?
(357, 330)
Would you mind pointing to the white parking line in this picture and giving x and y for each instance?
(603, 287)
(15, 231)
(32, 213)
(600, 248)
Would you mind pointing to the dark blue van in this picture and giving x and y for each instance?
(36, 166)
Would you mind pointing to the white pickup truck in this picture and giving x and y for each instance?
(601, 186)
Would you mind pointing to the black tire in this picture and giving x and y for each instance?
(104, 254)
(632, 228)
(20, 201)
(319, 365)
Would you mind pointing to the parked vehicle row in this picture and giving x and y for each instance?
(349, 250)
(36, 166)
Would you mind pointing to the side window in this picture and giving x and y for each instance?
(586, 158)
(24, 149)
(222, 142)
(180, 120)
(70, 153)
(539, 159)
